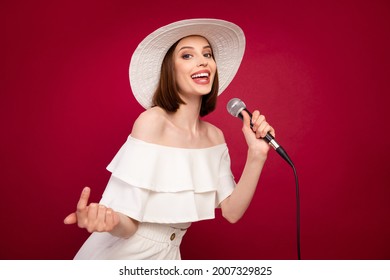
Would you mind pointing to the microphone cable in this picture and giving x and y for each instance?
(298, 208)
(235, 106)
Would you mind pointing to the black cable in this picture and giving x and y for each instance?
(279, 149)
(284, 155)
(235, 106)
(298, 206)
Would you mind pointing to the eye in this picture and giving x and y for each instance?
(208, 55)
(186, 56)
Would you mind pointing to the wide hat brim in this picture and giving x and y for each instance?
(226, 39)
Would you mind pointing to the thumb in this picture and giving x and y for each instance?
(246, 119)
(250, 137)
(70, 219)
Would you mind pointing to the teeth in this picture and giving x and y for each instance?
(201, 75)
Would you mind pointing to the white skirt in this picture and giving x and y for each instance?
(150, 242)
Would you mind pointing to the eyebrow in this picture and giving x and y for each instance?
(189, 47)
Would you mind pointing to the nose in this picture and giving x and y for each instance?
(202, 62)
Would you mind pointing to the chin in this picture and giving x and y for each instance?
(204, 91)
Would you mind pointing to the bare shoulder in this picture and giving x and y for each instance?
(214, 134)
(149, 125)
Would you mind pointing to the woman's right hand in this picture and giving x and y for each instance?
(93, 217)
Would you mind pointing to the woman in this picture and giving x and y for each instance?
(174, 168)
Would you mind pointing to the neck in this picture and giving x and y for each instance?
(187, 116)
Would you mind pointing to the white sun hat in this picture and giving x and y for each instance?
(226, 39)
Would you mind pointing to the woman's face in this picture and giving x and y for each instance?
(194, 66)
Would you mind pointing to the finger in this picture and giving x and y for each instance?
(101, 214)
(101, 218)
(272, 131)
(263, 129)
(70, 219)
(110, 219)
(115, 217)
(258, 122)
(246, 119)
(92, 212)
(255, 116)
(89, 222)
(83, 201)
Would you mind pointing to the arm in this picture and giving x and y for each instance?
(98, 218)
(234, 207)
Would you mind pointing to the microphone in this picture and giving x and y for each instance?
(235, 106)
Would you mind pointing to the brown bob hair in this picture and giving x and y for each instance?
(167, 96)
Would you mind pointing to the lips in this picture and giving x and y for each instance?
(201, 77)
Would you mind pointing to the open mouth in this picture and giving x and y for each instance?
(200, 76)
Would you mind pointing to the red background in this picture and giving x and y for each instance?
(318, 70)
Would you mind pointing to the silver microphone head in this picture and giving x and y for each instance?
(235, 106)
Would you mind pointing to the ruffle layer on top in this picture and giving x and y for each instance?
(162, 184)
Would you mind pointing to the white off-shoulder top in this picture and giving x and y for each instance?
(161, 184)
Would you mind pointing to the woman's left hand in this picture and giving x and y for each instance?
(254, 135)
